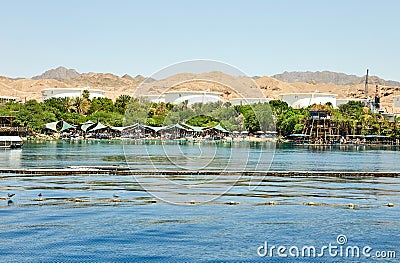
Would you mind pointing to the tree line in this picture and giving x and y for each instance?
(351, 118)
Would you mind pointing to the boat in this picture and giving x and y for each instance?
(11, 142)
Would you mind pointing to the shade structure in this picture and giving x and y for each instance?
(97, 126)
(194, 128)
(155, 129)
(119, 129)
(66, 126)
(85, 126)
(176, 126)
(219, 128)
(53, 126)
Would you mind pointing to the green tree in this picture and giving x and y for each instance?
(101, 104)
(121, 103)
(86, 94)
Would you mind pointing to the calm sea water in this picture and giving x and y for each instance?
(140, 227)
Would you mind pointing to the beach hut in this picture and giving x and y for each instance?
(136, 131)
(217, 132)
(174, 131)
(194, 130)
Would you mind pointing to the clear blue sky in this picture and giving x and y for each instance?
(258, 37)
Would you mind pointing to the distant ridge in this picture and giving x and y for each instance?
(58, 74)
(330, 77)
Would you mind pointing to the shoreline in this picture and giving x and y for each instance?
(228, 141)
(126, 171)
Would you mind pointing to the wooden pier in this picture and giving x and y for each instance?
(125, 171)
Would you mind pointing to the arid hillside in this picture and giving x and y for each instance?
(230, 86)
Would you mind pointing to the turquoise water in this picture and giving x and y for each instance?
(78, 220)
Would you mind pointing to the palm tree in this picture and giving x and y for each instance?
(81, 105)
(185, 105)
(122, 102)
(68, 103)
(86, 94)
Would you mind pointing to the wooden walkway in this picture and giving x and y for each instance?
(118, 170)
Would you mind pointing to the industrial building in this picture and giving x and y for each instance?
(247, 101)
(303, 100)
(71, 93)
(177, 97)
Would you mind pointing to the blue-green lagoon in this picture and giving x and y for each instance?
(79, 219)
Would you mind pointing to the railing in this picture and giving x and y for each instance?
(13, 129)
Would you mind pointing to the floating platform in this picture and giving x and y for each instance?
(125, 171)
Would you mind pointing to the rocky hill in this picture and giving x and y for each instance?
(230, 86)
(331, 77)
(58, 73)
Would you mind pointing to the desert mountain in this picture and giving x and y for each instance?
(58, 73)
(331, 77)
(230, 86)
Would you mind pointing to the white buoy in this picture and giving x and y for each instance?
(351, 205)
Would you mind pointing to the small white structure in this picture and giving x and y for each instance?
(396, 101)
(153, 98)
(246, 101)
(11, 142)
(71, 93)
(5, 99)
(177, 97)
(303, 100)
(347, 100)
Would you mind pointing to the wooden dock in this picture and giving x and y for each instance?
(125, 171)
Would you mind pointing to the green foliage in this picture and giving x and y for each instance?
(101, 104)
(298, 128)
(228, 118)
(121, 103)
(263, 114)
(136, 111)
(156, 121)
(350, 118)
(202, 121)
(352, 109)
(33, 116)
(107, 118)
(73, 118)
(86, 94)
(176, 115)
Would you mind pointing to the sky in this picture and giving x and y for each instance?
(258, 37)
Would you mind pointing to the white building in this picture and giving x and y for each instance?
(347, 100)
(177, 97)
(153, 98)
(303, 100)
(246, 101)
(396, 101)
(71, 93)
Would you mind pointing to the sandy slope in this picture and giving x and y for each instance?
(230, 86)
